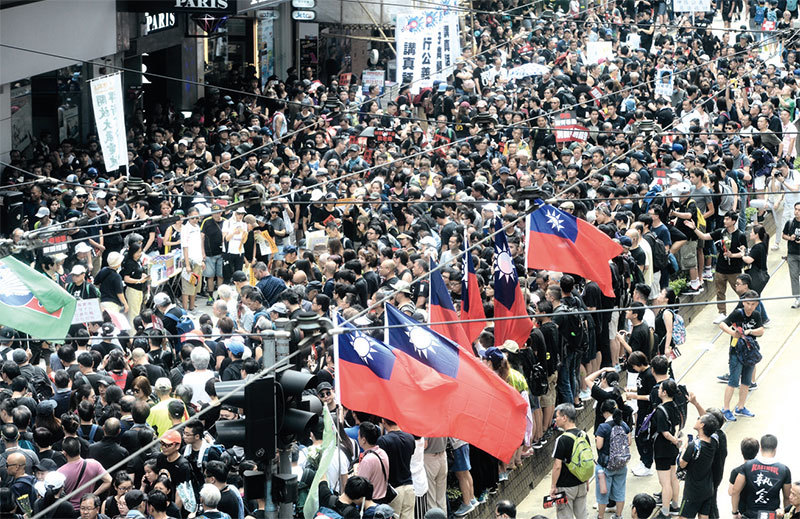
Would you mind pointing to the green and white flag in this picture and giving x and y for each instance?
(33, 303)
(328, 451)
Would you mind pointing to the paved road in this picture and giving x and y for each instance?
(775, 402)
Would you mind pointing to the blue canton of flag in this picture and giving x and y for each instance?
(421, 343)
(359, 348)
(505, 272)
(550, 220)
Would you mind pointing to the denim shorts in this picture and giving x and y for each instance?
(739, 371)
(461, 459)
(615, 485)
(213, 266)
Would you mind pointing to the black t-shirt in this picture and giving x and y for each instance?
(640, 339)
(133, 269)
(666, 420)
(718, 465)
(228, 503)
(601, 395)
(399, 447)
(179, 470)
(110, 283)
(764, 481)
(792, 227)
(699, 484)
(645, 384)
(759, 254)
(552, 340)
(563, 452)
(738, 318)
(213, 236)
(731, 242)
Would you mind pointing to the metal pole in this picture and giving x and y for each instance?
(285, 467)
(378, 26)
(472, 34)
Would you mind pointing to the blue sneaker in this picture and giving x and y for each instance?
(463, 510)
(728, 415)
(744, 412)
(503, 476)
(473, 503)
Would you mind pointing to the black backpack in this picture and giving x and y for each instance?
(573, 328)
(681, 401)
(538, 380)
(660, 258)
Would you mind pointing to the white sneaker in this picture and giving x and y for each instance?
(796, 303)
(586, 394)
(720, 318)
(644, 472)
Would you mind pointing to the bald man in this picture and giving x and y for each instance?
(21, 483)
(388, 272)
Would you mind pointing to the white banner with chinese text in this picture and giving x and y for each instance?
(110, 118)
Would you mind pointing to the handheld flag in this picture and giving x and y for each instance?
(559, 241)
(429, 386)
(328, 451)
(472, 403)
(443, 311)
(471, 302)
(508, 299)
(33, 303)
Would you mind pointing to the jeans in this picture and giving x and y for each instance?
(794, 272)
(567, 386)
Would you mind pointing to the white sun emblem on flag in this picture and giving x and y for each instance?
(422, 341)
(363, 348)
(555, 221)
(505, 265)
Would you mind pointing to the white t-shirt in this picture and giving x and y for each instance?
(235, 245)
(192, 243)
(197, 381)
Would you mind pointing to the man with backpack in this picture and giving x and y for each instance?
(571, 329)
(573, 465)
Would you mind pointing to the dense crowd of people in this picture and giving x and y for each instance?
(311, 196)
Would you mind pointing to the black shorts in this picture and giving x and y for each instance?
(692, 507)
(664, 463)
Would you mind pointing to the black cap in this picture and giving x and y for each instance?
(239, 276)
(134, 498)
(46, 465)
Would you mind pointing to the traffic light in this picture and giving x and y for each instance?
(256, 431)
(296, 413)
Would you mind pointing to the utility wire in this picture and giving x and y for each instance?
(534, 315)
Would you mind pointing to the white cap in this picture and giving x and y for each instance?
(316, 195)
(54, 480)
(82, 247)
(42, 212)
(77, 270)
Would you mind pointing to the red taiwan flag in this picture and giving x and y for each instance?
(508, 299)
(472, 315)
(443, 316)
(559, 241)
(429, 386)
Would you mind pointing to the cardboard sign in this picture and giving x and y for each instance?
(87, 311)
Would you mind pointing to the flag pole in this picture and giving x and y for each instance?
(337, 379)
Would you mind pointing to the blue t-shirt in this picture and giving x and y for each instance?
(663, 234)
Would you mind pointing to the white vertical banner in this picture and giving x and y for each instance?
(420, 43)
(109, 115)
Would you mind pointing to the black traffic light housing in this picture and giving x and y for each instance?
(297, 413)
(256, 431)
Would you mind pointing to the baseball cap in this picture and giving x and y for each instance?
(163, 383)
(54, 479)
(46, 465)
(280, 308)
(493, 354)
(45, 408)
(171, 436)
(324, 386)
(235, 347)
(239, 276)
(42, 212)
(82, 247)
(19, 356)
(6, 333)
(135, 497)
(625, 241)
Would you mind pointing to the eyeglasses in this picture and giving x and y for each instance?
(224, 181)
(87, 508)
(14, 464)
(125, 488)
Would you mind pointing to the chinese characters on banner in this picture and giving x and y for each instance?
(691, 6)
(110, 119)
(567, 129)
(428, 44)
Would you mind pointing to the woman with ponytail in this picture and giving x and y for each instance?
(756, 257)
(611, 478)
